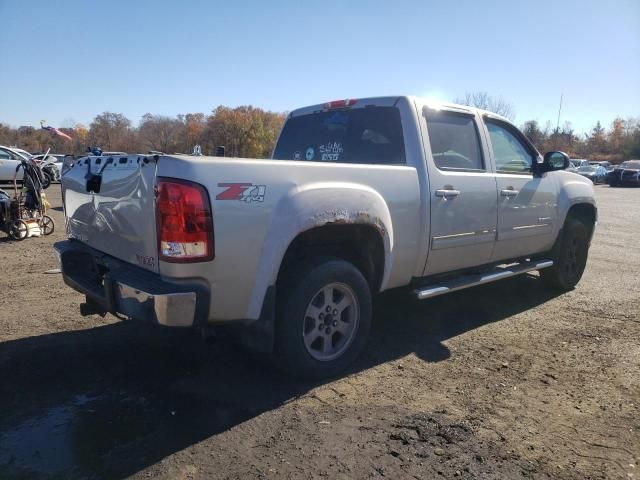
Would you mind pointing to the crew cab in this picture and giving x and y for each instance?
(360, 196)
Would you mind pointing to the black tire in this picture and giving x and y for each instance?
(299, 291)
(46, 180)
(569, 256)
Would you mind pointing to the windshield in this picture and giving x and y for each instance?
(361, 135)
(23, 153)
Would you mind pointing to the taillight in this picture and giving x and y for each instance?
(339, 104)
(185, 223)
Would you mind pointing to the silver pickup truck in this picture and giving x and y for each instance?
(360, 196)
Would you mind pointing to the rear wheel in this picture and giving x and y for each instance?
(569, 256)
(324, 310)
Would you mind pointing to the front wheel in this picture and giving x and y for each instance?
(324, 318)
(569, 257)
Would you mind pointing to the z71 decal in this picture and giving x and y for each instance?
(245, 192)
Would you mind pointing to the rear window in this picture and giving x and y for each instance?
(361, 135)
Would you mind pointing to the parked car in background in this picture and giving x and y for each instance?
(595, 173)
(576, 163)
(627, 173)
(10, 158)
(608, 166)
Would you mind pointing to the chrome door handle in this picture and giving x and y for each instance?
(447, 193)
(509, 192)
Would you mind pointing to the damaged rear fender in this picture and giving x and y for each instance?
(312, 206)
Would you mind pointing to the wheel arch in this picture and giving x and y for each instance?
(359, 244)
(586, 213)
(350, 221)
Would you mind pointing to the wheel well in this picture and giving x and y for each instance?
(585, 212)
(360, 245)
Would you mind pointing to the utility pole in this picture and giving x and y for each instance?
(556, 136)
(559, 110)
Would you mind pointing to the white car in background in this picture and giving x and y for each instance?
(10, 158)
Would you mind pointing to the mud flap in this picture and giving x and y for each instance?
(259, 335)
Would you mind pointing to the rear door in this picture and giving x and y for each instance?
(463, 192)
(527, 205)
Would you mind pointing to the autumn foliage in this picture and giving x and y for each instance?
(251, 132)
(244, 131)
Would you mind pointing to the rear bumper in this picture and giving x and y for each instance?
(114, 286)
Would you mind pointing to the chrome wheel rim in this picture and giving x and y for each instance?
(330, 322)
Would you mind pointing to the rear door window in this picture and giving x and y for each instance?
(454, 140)
(360, 135)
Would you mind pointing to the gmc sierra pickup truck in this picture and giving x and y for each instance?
(360, 196)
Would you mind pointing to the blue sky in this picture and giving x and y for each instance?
(68, 60)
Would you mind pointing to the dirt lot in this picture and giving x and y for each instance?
(502, 381)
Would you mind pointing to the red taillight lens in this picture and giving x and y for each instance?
(185, 223)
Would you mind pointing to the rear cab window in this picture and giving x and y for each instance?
(369, 135)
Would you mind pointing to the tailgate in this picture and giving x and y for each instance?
(110, 205)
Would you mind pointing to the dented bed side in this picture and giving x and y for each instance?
(253, 232)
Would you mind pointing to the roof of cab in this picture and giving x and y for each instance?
(392, 100)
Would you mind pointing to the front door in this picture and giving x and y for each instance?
(463, 193)
(527, 205)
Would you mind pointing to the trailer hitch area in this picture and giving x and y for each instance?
(91, 308)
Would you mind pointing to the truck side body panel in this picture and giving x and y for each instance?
(253, 234)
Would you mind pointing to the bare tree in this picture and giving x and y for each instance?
(488, 102)
(161, 133)
(111, 131)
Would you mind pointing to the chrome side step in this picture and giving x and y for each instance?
(467, 281)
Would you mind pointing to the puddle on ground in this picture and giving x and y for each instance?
(73, 437)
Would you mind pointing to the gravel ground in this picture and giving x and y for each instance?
(507, 380)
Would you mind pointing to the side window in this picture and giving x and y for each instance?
(454, 140)
(4, 155)
(510, 153)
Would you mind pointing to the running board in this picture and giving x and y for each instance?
(498, 273)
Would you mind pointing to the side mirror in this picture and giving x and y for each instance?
(555, 161)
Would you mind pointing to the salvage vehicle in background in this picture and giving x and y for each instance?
(360, 196)
(625, 174)
(595, 173)
(52, 164)
(608, 166)
(10, 158)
